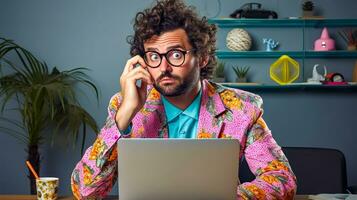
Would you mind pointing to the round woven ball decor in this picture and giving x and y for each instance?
(238, 40)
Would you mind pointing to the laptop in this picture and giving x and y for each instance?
(177, 169)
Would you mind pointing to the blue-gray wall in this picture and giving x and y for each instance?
(92, 34)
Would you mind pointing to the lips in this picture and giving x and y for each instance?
(167, 80)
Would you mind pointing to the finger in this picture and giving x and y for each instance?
(132, 62)
(129, 83)
(145, 73)
(132, 77)
(141, 63)
(139, 74)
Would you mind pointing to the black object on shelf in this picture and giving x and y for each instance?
(253, 10)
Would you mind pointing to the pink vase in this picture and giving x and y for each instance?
(324, 43)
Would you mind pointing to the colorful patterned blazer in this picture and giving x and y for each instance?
(224, 113)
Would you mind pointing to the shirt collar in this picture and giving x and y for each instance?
(171, 111)
(192, 110)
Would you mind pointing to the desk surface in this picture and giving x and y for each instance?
(33, 197)
(28, 197)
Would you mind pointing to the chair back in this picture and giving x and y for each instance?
(318, 170)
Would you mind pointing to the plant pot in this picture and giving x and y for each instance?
(241, 80)
(351, 47)
(307, 13)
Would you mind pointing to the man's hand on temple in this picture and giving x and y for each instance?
(134, 96)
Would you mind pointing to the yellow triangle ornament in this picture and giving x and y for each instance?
(285, 70)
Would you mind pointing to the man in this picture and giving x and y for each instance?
(173, 56)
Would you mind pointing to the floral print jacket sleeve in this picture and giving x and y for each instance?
(96, 172)
(224, 113)
(274, 177)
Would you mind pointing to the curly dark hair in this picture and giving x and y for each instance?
(169, 15)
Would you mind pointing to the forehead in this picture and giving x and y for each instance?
(167, 40)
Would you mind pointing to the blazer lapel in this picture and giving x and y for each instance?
(154, 112)
(212, 109)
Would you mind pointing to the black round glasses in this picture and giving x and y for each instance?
(174, 57)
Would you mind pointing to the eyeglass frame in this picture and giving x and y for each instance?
(184, 52)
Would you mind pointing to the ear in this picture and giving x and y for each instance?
(203, 61)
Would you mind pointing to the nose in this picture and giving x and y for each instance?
(165, 66)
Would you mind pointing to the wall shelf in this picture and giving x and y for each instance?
(230, 22)
(288, 87)
(303, 53)
(294, 54)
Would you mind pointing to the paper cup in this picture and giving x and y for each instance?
(47, 188)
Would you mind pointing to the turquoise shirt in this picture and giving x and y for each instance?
(183, 123)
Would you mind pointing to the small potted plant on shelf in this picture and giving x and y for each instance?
(241, 73)
(307, 8)
(218, 75)
(350, 37)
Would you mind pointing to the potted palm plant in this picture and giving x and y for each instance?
(241, 73)
(45, 99)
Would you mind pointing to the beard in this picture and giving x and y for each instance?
(184, 84)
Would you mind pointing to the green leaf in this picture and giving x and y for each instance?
(229, 116)
(241, 72)
(18, 135)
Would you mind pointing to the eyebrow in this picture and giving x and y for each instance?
(168, 48)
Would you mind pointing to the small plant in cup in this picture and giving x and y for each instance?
(308, 8)
(241, 73)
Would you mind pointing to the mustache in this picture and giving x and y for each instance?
(166, 74)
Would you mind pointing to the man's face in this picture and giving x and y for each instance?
(168, 79)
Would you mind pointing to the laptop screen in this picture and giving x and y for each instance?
(178, 168)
